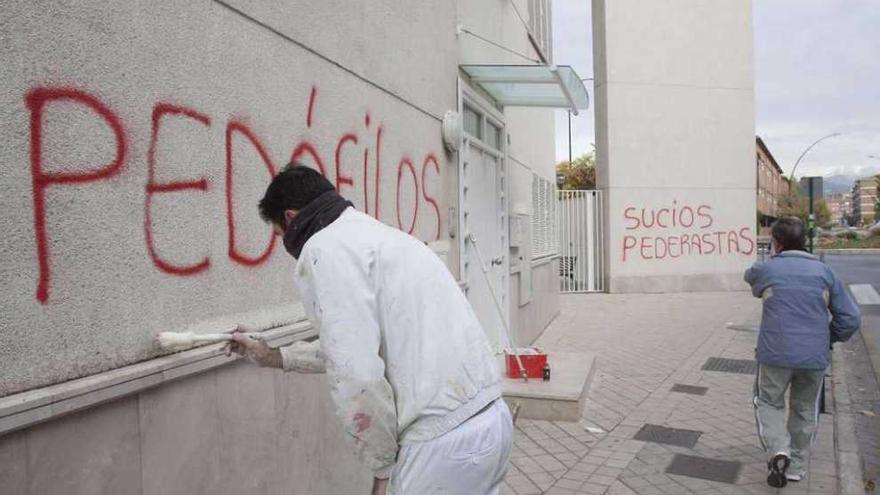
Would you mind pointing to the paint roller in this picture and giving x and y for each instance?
(522, 369)
(178, 341)
(256, 320)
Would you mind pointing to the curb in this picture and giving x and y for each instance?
(854, 251)
(846, 447)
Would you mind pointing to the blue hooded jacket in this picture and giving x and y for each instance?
(799, 291)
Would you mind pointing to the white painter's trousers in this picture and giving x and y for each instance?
(469, 460)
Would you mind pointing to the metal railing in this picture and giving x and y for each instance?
(581, 229)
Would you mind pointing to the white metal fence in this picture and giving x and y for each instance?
(581, 230)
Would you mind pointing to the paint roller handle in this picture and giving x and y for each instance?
(212, 337)
(253, 347)
(224, 337)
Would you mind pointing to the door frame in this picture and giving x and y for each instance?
(489, 113)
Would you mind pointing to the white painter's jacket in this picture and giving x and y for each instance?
(405, 356)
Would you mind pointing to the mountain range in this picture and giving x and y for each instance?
(843, 183)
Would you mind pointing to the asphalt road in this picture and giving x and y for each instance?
(861, 356)
(856, 269)
(863, 269)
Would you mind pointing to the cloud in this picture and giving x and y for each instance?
(816, 72)
(573, 45)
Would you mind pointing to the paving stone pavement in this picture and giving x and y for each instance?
(644, 344)
(864, 406)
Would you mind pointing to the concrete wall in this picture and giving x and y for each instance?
(138, 138)
(99, 256)
(531, 148)
(533, 318)
(675, 138)
(239, 429)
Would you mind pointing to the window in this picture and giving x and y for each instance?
(545, 238)
(539, 24)
(493, 135)
(473, 122)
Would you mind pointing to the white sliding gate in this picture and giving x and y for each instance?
(580, 227)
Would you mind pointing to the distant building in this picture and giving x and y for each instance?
(864, 200)
(817, 186)
(772, 184)
(840, 205)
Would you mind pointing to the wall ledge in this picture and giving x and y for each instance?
(545, 259)
(28, 408)
(514, 269)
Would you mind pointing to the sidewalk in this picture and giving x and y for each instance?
(645, 345)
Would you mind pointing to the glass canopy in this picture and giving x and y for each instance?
(556, 86)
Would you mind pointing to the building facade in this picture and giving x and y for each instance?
(679, 181)
(840, 206)
(772, 185)
(864, 201)
(138, 139)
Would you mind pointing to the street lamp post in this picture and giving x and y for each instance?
(812, 217)
(569, 138)
(570, 158)
(791, 176)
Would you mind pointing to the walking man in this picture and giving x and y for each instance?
(806, 309)
(411, 372)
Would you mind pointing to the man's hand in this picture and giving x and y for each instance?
(379, 486)
(254, 348)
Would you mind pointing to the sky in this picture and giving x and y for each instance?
(817, 72)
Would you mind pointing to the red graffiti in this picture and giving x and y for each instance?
(312, 95)
(366, 181)
(676, 245)
(719, 243)
(305, 147)
(430, 199)
(345, 147)
(37, 100)
(343, 179)
(378, 168)
(366, 169)
(406, 161)
(152, 188)
(667, 218)
(234, 254)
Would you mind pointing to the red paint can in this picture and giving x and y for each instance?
(532, 358)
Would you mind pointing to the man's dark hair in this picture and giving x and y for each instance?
(292, 189)
(789, 234)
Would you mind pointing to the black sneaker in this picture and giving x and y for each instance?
(777, 466)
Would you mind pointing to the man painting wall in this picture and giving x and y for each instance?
(410, 370)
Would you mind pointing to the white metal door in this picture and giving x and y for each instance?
(581, 261)
(483, 214)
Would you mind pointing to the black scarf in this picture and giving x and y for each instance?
(321, 212)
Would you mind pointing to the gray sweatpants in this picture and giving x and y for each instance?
(795, 438)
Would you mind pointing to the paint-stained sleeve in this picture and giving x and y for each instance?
(345, 303)
(303, 357)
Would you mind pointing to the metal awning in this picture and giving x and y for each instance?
(556, 86)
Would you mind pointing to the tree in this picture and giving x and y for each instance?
(823, 214)
(795, 204)
(580, 174)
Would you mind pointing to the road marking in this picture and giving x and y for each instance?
(865, 294)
